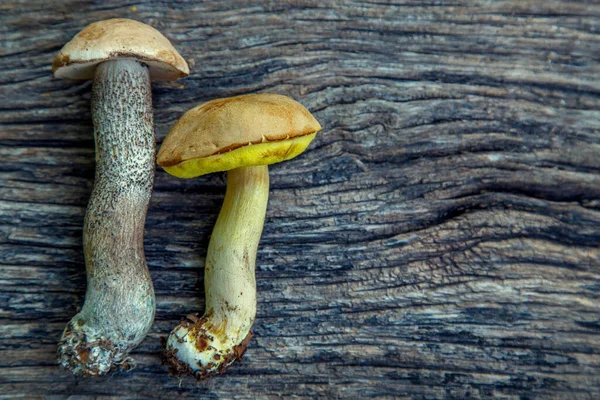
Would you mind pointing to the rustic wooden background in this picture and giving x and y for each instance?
(440, 238)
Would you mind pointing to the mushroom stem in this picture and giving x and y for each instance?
(119, 302)
(208, 345)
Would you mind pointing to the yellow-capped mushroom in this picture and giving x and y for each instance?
(241, 135)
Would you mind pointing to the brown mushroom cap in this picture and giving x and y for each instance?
(119, 39)
(218, 135)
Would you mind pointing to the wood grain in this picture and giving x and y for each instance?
(440, 238)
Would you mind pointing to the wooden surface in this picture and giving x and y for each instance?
(440, 238)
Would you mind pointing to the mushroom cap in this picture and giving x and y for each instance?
(223, 134)
(119, 38)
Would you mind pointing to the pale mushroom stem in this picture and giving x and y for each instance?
(119, 302)
(207, 345)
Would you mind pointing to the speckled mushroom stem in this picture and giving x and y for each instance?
(119, 302)
(206, 345)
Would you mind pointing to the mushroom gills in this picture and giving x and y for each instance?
(263, 153)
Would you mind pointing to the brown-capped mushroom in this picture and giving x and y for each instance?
(123, 57)
(241, 135)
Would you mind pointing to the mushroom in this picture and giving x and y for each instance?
(241, 135)
(122, 56)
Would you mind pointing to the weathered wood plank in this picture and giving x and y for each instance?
(439, 240)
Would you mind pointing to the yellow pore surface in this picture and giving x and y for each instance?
(252, 154)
